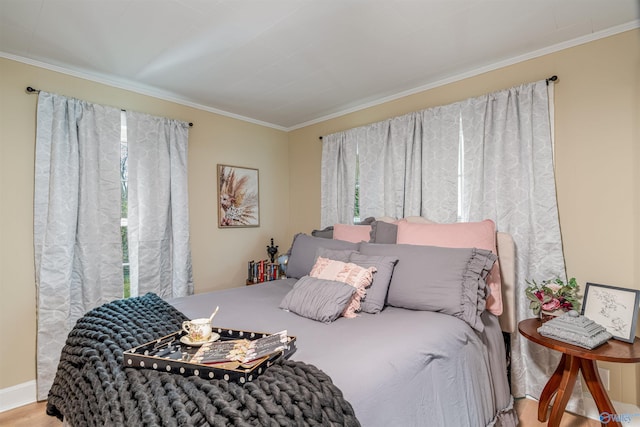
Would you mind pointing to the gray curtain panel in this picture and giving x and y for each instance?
(77, 243)
(158, 217)
(514, 185)
(338, 179)
(440, 167)
(389, 153)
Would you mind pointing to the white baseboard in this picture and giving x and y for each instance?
(630, 411)
(17, 395)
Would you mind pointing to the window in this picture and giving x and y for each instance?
(124, 192)
(460, 172)
(356, 207)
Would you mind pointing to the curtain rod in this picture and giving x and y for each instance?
(32, 90)
(547, 80)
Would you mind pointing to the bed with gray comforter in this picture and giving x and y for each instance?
(399, 367)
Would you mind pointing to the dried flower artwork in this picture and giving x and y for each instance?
(238, 201)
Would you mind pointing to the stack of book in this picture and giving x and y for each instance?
(245, 352)
(262, 271)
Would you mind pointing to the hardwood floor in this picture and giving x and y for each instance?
(30, 415)
(35, 415)
(528, 414)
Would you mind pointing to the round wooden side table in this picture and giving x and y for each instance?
(574, 359)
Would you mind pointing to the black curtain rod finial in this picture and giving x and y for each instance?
(551, 79)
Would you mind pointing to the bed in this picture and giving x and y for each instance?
(415, 360)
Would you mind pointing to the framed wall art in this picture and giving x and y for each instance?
(238, 197)
(616, 309)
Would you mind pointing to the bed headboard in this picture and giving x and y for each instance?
(507, 254)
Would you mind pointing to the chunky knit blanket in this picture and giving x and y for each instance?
(93, 388)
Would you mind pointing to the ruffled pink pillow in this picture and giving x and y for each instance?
(349, 273)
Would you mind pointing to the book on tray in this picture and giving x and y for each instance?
(243, 351)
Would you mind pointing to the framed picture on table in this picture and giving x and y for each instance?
(238, 197)
(616, 309)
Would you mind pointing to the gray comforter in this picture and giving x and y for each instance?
(397, 368)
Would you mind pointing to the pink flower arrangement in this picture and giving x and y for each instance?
(553, 295)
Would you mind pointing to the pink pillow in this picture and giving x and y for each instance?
(349, 273)
(481, 235)
(351, 233)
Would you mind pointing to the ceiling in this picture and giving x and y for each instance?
(288, 63)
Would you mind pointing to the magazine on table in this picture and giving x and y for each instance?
(243, 350)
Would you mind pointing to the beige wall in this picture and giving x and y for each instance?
(219, 256)
(597, 159)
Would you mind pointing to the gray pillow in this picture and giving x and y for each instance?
(336, 254)
(376, 296)
(383, 232)
(325, 233)
(318, 299)
(303, 252)
(367, 221)
(446, 280)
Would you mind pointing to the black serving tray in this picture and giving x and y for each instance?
(168, 354)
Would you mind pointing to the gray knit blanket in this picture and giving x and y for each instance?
(93, 388)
